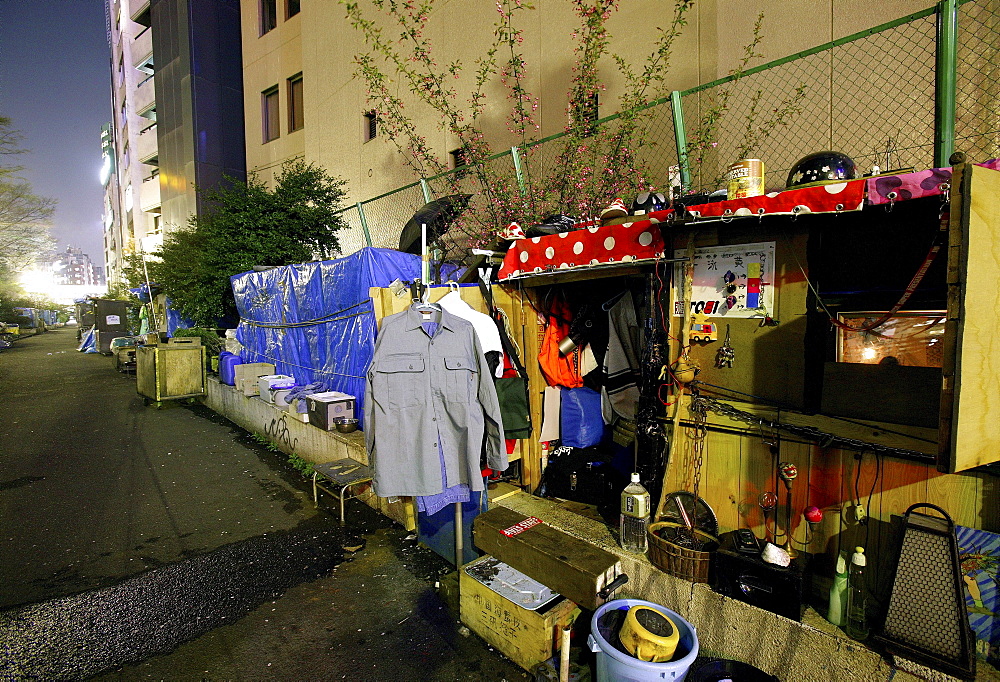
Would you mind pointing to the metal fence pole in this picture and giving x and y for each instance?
(945, 81)
(364, 224)
(427, 191)
(515, 155)
(680, 137)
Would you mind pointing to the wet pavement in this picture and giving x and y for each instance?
(138, 543)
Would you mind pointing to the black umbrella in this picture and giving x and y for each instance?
(437, 215)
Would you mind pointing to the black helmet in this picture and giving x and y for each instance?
(647, 202)
(821, 168)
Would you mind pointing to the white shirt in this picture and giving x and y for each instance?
(486, 328)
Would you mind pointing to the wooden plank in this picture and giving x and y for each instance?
(975, 427)
(720, 478)
(958, 494)
(572, 567)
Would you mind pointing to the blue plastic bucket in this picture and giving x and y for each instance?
(614, 665)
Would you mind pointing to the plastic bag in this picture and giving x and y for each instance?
(581, 424)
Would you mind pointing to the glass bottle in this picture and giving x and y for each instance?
(634, 517)
(857, 600)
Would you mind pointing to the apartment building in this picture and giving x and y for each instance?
(177, 102)
(303, 101)
(72, 267)
(132, 214)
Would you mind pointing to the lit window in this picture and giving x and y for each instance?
(295, 113)
(292, 7)
(271, 119)
(268, 15)
(371, 126)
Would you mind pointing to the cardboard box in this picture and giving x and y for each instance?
(525, 637)
(325, 407)
(247, 375)
(266, 382)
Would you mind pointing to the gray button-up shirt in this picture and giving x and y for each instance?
(425, 390)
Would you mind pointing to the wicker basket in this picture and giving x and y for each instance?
(681, 562)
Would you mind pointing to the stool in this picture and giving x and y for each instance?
(343, 473)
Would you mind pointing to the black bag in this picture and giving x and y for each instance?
(512, 392)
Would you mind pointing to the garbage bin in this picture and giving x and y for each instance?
(614, 664)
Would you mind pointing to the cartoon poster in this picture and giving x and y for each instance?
(979, 557)
(730, 281)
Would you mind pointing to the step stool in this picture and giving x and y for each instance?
(343, 473)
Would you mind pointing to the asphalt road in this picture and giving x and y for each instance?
(138, 543)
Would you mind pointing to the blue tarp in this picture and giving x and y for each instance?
(315, 321)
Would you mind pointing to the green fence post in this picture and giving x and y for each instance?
(680, 137)
(427, 190)
(364, 224)
(516, 156)
(945, 78)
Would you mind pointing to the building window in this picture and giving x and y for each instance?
(271, 122)
(295, 113)
(371, 126)
(268, 15)
(292, 7)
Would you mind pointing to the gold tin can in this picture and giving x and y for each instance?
(746, 179)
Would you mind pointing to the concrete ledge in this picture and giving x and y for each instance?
(294, 437)
(811, 650)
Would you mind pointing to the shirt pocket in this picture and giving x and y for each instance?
(460, 380)
(404, 379)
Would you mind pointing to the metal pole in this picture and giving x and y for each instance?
(518, 171)
(459, 536)
(427, 191)
(149, 290)
(364, 224)
(945, 80)
(680, 137)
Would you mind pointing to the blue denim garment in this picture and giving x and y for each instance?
(423, 391)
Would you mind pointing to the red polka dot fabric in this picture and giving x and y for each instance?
(590, 246)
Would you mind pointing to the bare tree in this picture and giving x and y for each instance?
(24, 216)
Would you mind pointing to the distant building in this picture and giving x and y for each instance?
(177, 101)
(72, 266)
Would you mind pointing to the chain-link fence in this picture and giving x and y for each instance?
(871, 95)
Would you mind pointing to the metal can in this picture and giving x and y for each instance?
(746, 179)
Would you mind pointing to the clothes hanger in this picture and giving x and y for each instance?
(610, 303)
(424, 304)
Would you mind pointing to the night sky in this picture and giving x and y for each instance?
(55, 86)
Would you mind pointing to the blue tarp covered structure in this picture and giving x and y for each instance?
(315, 321)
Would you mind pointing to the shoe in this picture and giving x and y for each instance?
(512, 233)
(615, 210)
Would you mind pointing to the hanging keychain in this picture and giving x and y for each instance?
(725, 356)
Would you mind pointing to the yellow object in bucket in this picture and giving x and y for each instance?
(649, 634)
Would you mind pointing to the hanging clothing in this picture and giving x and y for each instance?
(559, 370)
(621, 363)
(430, 393)
(486, 328)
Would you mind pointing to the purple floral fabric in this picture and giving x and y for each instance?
(926, 183)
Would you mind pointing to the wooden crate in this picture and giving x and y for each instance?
(525, 637)
(247, 374)
(167, 373)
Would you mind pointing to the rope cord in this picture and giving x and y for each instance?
(811, 433)
(311, 369)
(332, 317)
